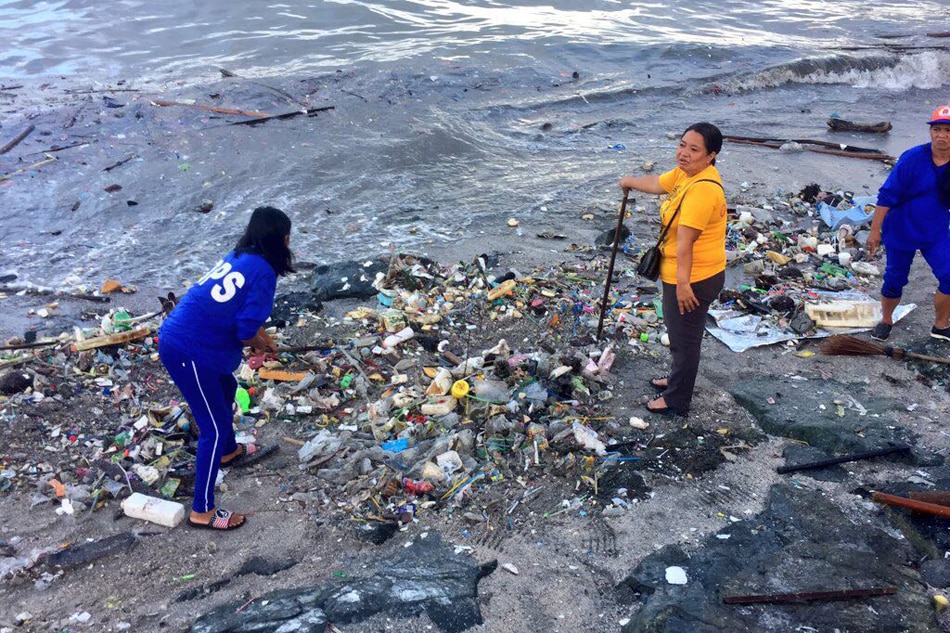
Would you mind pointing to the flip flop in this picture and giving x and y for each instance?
(249, 454)
(220, 521)
(667, 410)
(654, 382)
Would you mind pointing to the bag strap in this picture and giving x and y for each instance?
(673, 217)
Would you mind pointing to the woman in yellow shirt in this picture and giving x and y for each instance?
(693, 262)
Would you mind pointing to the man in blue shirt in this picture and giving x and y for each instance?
(913, 214)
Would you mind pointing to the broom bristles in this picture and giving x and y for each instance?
(846, 345)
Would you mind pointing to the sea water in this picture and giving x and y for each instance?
(449, 118)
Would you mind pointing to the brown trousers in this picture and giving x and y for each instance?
(686, 338)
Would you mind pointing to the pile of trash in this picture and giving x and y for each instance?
(802, 270)
(400, 409)
(407, 401)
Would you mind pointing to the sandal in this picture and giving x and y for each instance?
(664, 410)
(248, 454)
(656, 383)
(220, 521)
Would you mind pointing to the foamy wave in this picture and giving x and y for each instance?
(888, 71)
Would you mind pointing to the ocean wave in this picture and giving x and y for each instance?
(883, 70)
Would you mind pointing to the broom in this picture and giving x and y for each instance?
(845, 345)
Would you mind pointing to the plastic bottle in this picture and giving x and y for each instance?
(243, 398)
(153, 509)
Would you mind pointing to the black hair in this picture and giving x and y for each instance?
(712, 137)
(266, 235)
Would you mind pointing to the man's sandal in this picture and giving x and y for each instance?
(660, 383)
(221, 520)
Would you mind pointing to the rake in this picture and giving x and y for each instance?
(845, 345)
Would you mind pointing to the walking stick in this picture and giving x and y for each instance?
(613, 257)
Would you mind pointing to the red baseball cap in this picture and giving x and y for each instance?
(941, 115)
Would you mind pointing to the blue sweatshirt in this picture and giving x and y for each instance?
(228, 305)
(916, 217)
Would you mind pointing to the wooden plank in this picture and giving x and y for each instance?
(111, 339)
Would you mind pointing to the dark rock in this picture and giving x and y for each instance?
(607, 238)
(806, 411)
(377, 532)
(87, 552)
(15, 381)
(264, 567)
(289, 610)
(288, 306)
(350, 279)
(936, 573)
(801, 323)
(800, 543)
(427, 576)
(782, 303)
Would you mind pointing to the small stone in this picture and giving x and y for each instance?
(510, 568)
(512, 222)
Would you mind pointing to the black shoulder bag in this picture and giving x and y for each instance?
(649, 264)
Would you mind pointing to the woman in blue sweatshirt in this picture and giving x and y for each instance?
(913, 214)
(202, 341)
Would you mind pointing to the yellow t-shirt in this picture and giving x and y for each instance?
(704, 209)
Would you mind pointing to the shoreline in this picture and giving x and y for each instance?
(570, 562)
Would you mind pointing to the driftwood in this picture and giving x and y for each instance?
(16, 139)
(49, 159)
(285, 115)
(219, 110)
(121, 162)
(840, 125)
(86, 296)
(849, 151)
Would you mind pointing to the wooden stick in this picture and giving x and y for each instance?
(613, 258)
(831, 461)
(4, 348)
(62, 295)
(285, 115)
(844, 594)
(933, 359)
(111, 339)
(857, 153)
(219, 110)
(778, 142)
(910, 504)
(121, 162)
(49, 159)
(16, 139)
(941, 498)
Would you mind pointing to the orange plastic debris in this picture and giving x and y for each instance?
(58, 488)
